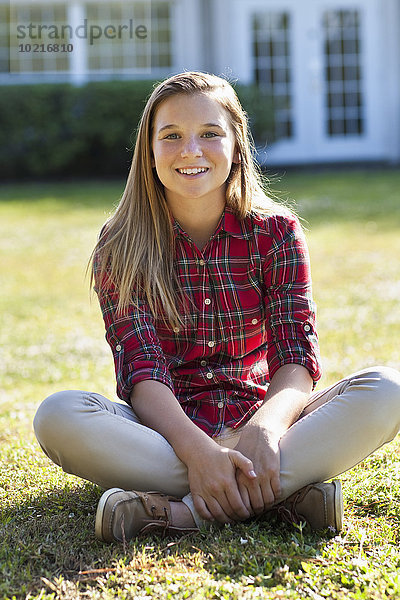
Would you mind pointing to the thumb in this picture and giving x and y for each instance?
(244, 464)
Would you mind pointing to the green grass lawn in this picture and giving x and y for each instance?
(52, 338)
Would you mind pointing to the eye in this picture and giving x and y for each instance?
(210, 134)
(171, 136)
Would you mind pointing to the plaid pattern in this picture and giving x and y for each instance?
(252, 312)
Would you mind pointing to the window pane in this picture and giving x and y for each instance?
(161, 24)
(102, 37)
(272, 68)
(343, 73)
(4, 39)
(119, 49)
(38, 38)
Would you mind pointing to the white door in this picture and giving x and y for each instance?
(322, 62)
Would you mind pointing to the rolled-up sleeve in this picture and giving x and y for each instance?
(134, 343)
(291, 311)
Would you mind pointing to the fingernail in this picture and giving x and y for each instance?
(252, 473)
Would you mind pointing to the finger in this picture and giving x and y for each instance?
(237, 508)
(244, 493)
(226, 508)
(257, 499)
(220, 510)
(201, 508)
(276, 486)
(267, 494)
(243, 463)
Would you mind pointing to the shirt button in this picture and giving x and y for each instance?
(207, 301)
(209, 375)
(176, 329)
(254, 321)
(211, 344)
(203, 363)
(220, 405)
(202, 262)
(307, 327)
(118, 347)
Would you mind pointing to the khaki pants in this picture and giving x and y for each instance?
(104, 441)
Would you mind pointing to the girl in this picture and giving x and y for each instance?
(204, 285)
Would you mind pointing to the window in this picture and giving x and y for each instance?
(121, 49)
(272, 69)
(343, 76)
(4, 38)
(161, 38)
(92, 38)
(37, 40)
(129, 53)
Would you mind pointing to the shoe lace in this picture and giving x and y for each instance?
(287, 510)
(165, 519)
(289, 515)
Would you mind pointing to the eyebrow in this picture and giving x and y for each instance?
(171, 126)
(212, 125)
(174, 126)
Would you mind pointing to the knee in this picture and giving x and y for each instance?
(384, 406)
(52, 417)
(388, 384)
(384, 380)
(390, 381)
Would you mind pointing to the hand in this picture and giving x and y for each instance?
(262, 447)
(213, 483)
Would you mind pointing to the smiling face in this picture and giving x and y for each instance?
(193, 148)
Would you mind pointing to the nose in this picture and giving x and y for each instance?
(191, 147)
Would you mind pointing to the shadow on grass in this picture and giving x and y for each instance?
(50, 539)
(48, 536)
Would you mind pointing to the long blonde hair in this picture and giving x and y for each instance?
(135, 251)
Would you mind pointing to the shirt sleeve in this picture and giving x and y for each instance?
(134, 343)
(291, 311)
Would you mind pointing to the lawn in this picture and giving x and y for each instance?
(52, 338)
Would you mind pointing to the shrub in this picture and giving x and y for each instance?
(52, 130)
(259, 107)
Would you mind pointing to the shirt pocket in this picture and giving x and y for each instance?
(246, 332)
(177, 341)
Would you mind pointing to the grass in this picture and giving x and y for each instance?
(51, 338)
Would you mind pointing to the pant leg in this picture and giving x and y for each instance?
(340, 427)
(104, 442)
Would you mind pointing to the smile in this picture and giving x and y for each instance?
(192, 171)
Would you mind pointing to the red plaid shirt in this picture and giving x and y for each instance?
(252, 313)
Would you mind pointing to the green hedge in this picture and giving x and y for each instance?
(52, 130)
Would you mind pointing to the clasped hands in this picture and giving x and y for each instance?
(234, 485)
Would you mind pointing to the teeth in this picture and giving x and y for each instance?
(192, 171)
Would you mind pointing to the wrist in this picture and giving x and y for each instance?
(195, 443)
(269, 431)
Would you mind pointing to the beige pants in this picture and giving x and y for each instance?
(104, 441)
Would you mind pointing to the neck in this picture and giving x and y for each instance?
(199, 221)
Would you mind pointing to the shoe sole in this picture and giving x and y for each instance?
(98, 527)
(338, 504)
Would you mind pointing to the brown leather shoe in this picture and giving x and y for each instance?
(320, 505)
(122, 515)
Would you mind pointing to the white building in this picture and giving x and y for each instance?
(332, 66)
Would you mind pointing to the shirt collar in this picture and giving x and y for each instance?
(228, 223)
(232, 225)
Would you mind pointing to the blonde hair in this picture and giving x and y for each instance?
(135, 251)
